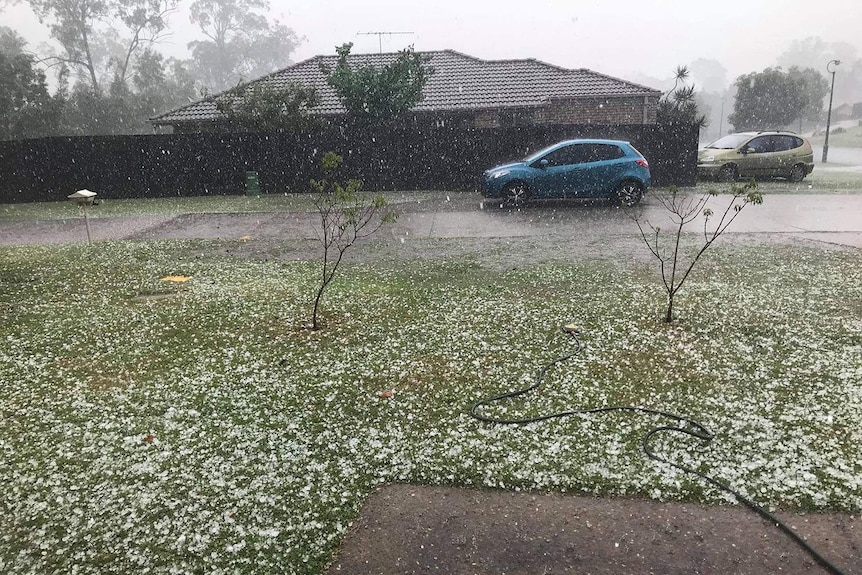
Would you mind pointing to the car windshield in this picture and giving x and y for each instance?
(729, 142)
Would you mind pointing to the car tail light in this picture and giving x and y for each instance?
(642, 162)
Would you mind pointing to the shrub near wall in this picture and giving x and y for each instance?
(409, 158)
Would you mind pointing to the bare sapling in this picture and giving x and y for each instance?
(684, 209)
(346, 216)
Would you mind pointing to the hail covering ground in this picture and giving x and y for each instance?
(212, 431)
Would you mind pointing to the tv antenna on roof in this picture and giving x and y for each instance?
(380, 36)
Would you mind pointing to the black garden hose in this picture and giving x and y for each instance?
(683, 425)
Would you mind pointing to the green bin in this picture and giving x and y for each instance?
(252, 184)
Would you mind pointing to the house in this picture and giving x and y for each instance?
(465, 92)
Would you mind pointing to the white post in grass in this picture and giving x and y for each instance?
(84, 198)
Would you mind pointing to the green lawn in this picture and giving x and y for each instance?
(238, 204)
(207, 430)
(849, 138)
(820, 181)
(829, 180)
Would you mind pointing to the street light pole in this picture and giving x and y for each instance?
(829, 114)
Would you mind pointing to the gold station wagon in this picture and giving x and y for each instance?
(756, 154)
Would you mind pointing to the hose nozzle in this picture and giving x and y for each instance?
(571, 328)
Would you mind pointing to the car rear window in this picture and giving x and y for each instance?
(601, 152)
(784, 143)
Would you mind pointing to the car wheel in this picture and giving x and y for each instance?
(727, 173)
(797, 172)
(628, 194)
(516, 193)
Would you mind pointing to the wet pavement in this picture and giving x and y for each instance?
(409, 529)
(831, 218)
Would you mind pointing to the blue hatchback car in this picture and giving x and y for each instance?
(611, 169)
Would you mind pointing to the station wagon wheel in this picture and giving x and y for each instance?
(727, 173)
(516, 193)
(629, 193)
(797, 172)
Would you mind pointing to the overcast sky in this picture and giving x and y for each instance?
(620, 37)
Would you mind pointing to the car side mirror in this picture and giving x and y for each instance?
(747, 150)
(543, 163)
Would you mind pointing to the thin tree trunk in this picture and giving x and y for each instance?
(668, 318)
(314, 323)
(90, 66)
(133, 45)
(328, 275)
(324, 281)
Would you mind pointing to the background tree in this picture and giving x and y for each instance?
(72, 24)
(86, 33)
(770, 99)
(345, 217)
(709, 74)
(714, 100)
(241, 43)
(161, 84)
(262, 108)
(83, 112)
(814, 88)
(684, 209)
(156, 84)
(813, 52)
(25, 105)
(11, 42)
(379, 94)
(810, 52)
(146, 21)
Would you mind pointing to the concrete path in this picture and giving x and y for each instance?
(407, 529)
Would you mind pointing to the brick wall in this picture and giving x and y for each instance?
(487, 119)
(620, 111)
(575, 111)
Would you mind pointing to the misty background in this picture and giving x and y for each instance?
(106, 66)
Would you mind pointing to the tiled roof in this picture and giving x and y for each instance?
(459, 82)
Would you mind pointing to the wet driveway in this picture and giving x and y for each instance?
(831, 218)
